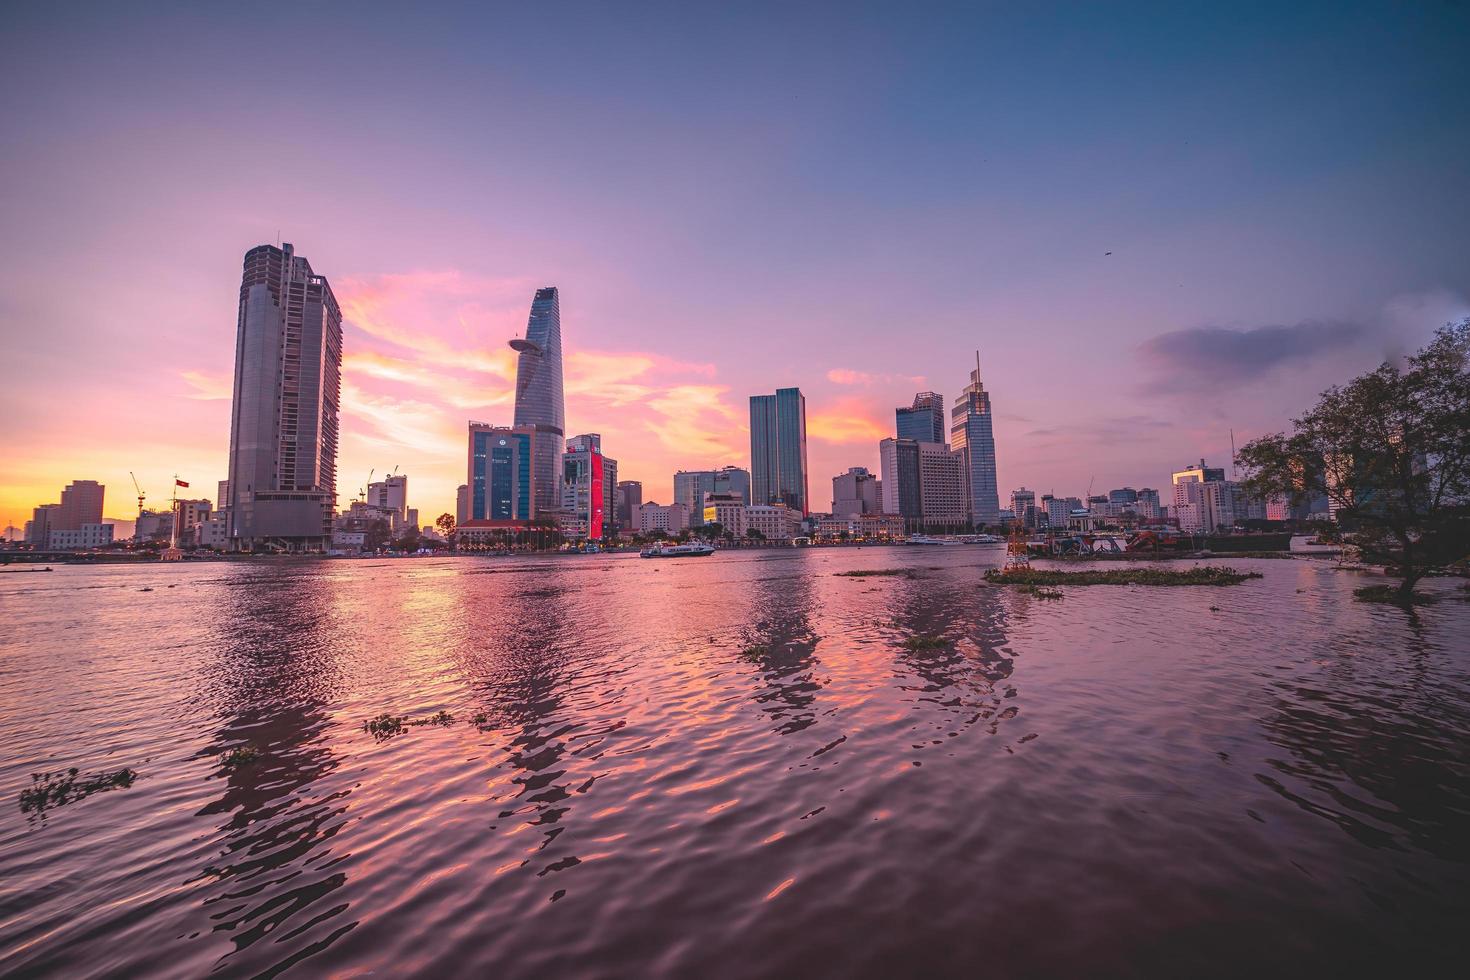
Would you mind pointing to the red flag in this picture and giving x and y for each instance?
(180, 483)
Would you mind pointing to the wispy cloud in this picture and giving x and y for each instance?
(846, 421)
(848, 376)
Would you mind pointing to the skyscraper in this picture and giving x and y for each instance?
(924, 420)
(585, 487)
(288, 385)
(973, 439)
(692, 486)
(539, 400)
(81, 504)
(899, 464)
(629, 499)
(778, 473)
(502, 484)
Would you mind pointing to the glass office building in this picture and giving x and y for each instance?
(501, 482)
(539, 399)
(778, 471)
(924, 420)
(973, 438)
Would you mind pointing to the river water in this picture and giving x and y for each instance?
(729, 766)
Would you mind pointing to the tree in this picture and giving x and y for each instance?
(445, 524)
(712, 530)
(377, 534)
(754, 534)
(1391, 451)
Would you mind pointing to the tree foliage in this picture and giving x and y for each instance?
(1391, 451)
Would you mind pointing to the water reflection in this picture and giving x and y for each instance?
(952, 655)
(275, 872)
(780, 641)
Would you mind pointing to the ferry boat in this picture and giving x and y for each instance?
(694, 549)
(925, 539)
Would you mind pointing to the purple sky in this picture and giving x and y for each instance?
(846, 199)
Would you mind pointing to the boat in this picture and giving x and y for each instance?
(694, 549)
(925, 539)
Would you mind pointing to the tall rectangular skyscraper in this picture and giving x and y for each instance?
(973, 438)
(501, 486)
(283, 424)
(778, 473)
(539, 399)
(924, 420)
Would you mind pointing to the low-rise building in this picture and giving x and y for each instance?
(78, 539)
(668, 518)
(774, 522)
(726, 510)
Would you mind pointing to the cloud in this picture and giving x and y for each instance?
(207, 387)
(1218, 357)
(846, 421)
(847, 376)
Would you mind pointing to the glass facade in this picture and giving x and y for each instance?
(778, 470)
(500, 473)
(973, 438)
(539, 398)
(924, 420)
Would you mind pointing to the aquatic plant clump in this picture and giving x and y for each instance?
(53, 789)
(871, 572)
(1390, 595)
(1120, 576)
(385, 725)
(925, 641)
(240, 756)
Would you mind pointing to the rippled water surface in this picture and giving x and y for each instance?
(733, 766)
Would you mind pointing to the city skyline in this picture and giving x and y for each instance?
(881, 211)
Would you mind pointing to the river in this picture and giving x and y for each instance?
(742, 765)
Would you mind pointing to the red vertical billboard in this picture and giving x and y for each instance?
(594, 498)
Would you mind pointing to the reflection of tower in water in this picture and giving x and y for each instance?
(953, 655)
(781, 643)
(269, 682)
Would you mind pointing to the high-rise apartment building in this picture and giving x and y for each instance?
(973, 438)
(855, 492)
(539, 398)
(692, 486)
(778, 471)
(501, 477)
(283, 424)
(81, 503)
(391, 494)
(943, 498)
(1023, 506)
(1203, 500)
(924, 420)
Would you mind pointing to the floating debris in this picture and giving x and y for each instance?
(443, 719)
(53, 789)
(870, 572)
(1041, 592)
(1120, 576)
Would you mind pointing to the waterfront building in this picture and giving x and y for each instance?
(629, 498)
(214, 533)
(187, 515)
(774, 522)
(539, 398)
(81, 504)
(501, 474)
(154, 525)
(1023, 506)
(95, 535)
(943, 497)
(1203, 499)
(668, 518)
(391, 494)
(586, 500)
(38, 528)
(691, 486)
(898, 462)
(778, 470)
(860, 527)
(924, 420)
(726, 510)
(287, 388)
(222, 500)
(1059, 509)
(973, 437)
(856, 492)
(461, 504)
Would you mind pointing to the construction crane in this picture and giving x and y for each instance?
(362, 494)
(141, 495)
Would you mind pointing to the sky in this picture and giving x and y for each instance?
(1156, 224)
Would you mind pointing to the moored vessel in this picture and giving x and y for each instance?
(694, 549)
